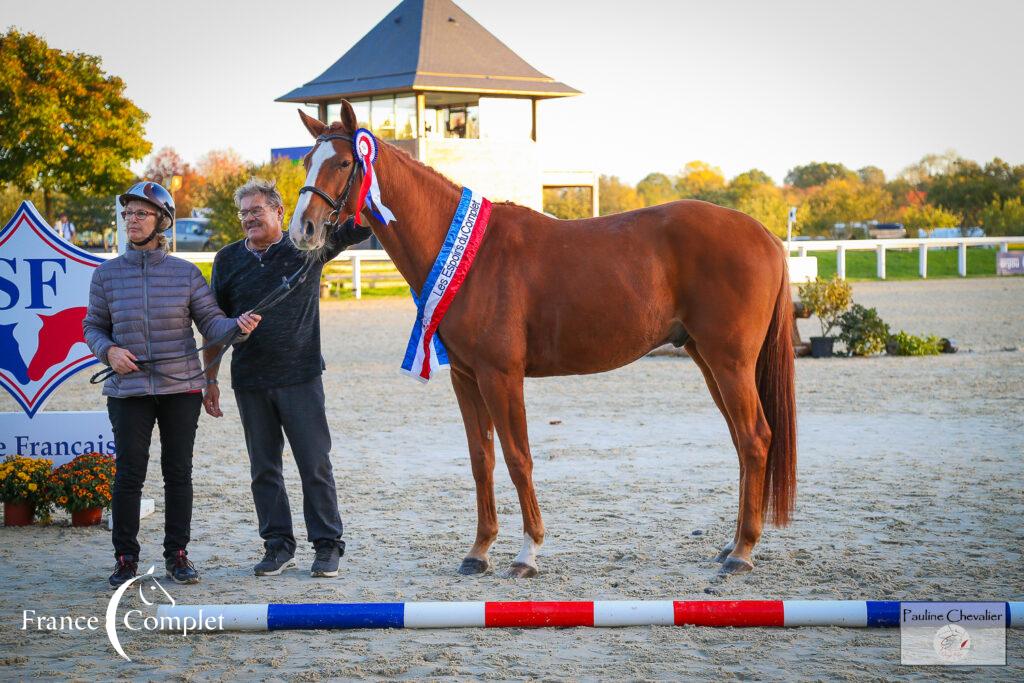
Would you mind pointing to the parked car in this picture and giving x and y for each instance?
(193, 234)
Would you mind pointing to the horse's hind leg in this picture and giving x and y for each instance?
(481, 454)
(503, 394)
(738, 387)
(716, 395)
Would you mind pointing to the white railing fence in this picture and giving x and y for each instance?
(922, 244)
(840, 247)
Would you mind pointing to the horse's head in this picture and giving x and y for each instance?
(327, 199)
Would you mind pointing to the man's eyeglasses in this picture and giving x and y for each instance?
(141, 215)
(254, 212)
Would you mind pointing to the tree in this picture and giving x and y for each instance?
(1003, 217)
(568, 202)
(67, 126)
(219, 195)
(969, 188)
(700, 180)
(164, 165)
(871, 175)
(656, 188)
(767, 204)
(751, 178)
(845, 201)
(616, 196)
(818, 173)
(219, 164)
(920, 174)
(926, 217)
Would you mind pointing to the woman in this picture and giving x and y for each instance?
(142, 305)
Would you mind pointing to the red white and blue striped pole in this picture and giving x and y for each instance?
(602, 613)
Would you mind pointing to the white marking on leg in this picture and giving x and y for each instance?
(528, 555)
(324, 152)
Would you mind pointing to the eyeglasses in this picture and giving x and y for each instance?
(254, 212)
(141, 215)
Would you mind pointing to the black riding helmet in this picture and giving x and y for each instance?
(151, 193)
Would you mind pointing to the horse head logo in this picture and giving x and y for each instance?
(44, 290)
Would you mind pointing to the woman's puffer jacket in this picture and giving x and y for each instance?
(145, 302)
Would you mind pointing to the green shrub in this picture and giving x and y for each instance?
(827, 299)
(903, 344)
(863, 332)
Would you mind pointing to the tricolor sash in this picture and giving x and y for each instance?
(426, 353)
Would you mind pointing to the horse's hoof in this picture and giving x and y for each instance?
(472, 565)
(518, 570)
(724, 552)
(735, 565)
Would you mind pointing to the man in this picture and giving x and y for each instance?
(66, 229)
(276, 376)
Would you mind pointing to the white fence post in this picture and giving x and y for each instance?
(880, 265)
(962, 260)
(841, 262)
(801, 251)
(357, 280)
(922, 261)
(1004, 247)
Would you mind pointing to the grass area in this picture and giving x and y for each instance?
(902, 264)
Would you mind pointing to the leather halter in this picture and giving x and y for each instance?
(336, 204)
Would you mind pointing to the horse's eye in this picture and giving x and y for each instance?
(346, 164)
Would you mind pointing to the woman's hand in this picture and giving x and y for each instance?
(121, 360)
(247, 322)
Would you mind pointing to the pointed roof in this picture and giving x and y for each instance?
(428, 45)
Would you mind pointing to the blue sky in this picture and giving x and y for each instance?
(737, 84)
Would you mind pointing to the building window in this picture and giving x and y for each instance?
(362, 110)
(333, 113)
(382, 117)
(405, 118)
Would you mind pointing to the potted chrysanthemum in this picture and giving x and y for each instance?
(82, 487)
(24, 489)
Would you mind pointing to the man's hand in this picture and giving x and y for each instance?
(121, 360)
(211, 401)
(247, 322)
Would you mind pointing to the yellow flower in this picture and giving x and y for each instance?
(32, 487)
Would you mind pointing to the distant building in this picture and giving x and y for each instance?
(432, 81)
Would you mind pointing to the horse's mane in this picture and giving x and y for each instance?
(338, 127)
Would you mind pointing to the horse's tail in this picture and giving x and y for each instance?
(775, 374)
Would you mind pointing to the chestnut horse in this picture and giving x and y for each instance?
(552, 297)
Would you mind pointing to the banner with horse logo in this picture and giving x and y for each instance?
(44, 291)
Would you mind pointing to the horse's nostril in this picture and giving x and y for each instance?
(309, 229)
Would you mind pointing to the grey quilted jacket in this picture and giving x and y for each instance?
(145, 301)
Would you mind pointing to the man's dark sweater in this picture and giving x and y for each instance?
(285, 348)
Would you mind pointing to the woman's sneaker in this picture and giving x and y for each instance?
(273, 563)
(126, 568)
(180, 569)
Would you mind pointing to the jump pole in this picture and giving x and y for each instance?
(604, 613)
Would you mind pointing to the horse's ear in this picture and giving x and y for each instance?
(315, 127)
(348, 117)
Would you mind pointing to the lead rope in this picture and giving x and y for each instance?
(225, 341)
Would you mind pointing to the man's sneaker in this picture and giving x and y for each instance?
(326, 562)
(180, 569)
(274, 562)
(126, 568)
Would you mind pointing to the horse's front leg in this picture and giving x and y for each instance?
(503, 395)
(481, 454)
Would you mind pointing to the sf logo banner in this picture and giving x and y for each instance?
(44, 293)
